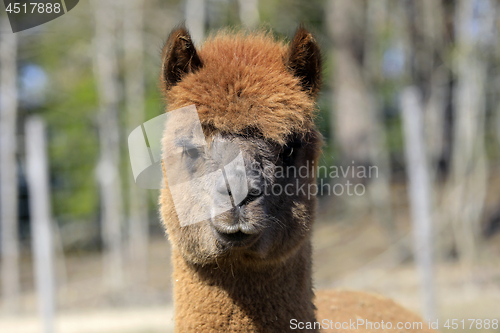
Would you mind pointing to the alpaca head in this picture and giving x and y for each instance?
(256, 96)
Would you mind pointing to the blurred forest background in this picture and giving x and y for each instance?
(410, 87)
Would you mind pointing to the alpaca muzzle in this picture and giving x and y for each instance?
(234, 227)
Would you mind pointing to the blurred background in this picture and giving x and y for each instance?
(411, 90)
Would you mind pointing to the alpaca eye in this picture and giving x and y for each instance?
(287, 152)
(191, 152)
(287, 155)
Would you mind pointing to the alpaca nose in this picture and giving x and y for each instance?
(235, 182)
(235, 229)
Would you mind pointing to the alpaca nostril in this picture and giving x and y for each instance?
(255, 192)
(252, 195)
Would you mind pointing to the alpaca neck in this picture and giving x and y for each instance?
(215, 298)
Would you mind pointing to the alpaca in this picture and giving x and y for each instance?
(249, 268)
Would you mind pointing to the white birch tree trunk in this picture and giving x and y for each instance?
(249, 13)
(419, 190)
(41, 220)
(108, 173)
(134, 101)
(424, 43)
(8, 168)
(195, 19)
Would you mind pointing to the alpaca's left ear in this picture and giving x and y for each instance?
(304, 60)
(179, 57)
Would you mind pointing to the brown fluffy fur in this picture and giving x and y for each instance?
(259, 93)
(243, 85)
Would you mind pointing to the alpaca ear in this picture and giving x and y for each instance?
(304, 60)
(179, 57)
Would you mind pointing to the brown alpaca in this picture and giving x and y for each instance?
(249, 269)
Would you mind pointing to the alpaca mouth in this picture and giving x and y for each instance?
(237, 238)
(239, 235)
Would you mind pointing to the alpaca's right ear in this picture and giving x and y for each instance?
(179, 57)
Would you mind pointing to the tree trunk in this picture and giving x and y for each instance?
(41, 219)
(425, 47)
(195, 19)
(108, 173)
(134, 101)
(8, 168)
(419, 189)
(249, 13)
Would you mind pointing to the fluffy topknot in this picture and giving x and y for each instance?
(241, 83)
